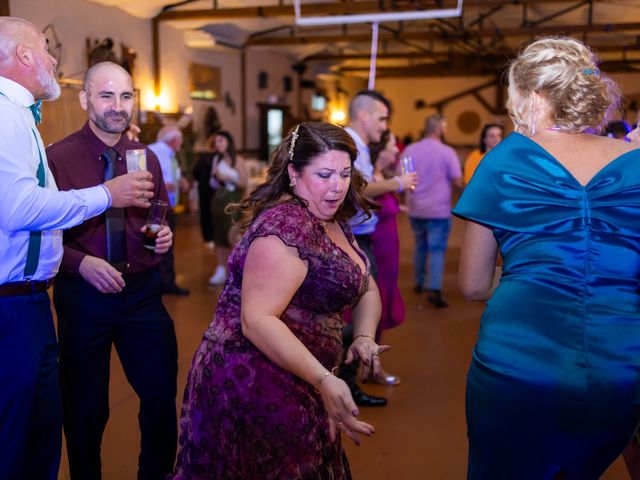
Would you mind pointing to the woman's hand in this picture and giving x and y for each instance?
(365, 348)
(342, 410)
(634, 136)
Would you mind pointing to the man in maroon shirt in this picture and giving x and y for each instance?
(101, 303)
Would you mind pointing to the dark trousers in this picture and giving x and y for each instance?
(136, 322)
(167, 264)
(30, 411)
(205, 195)
(349, 372)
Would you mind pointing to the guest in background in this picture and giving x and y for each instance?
(230, 177)
(554, 383)
(206, 189)
(109, 291)
(261, 400)
(429, 206)
(386, 245)
(368, 115)
(166, 147)
(490, 136)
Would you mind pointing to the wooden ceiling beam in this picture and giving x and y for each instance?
(278, 11)
(473, 68)
(448, 36)
(342, 8)
(506, 53)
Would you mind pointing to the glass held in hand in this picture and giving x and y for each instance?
(406, 166)
(136, 160)
(155, 220)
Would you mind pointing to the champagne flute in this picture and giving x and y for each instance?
(406, 166)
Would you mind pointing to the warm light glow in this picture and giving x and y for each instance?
(337, 116)
(159, 103)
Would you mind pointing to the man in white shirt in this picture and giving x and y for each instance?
(169, 142)
(32, 213)
(368, 115)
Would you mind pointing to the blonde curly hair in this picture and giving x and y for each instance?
(565, 73)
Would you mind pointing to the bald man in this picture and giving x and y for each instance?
(32, 213)
(108, 291)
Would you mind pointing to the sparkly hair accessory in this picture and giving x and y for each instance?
(591, 71)
(292, 145)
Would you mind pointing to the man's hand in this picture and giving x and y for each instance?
(164, 240)
(634, 136)
(133, 132)
(184, 184)
(408, 180)
(101, 275)
(131, 190)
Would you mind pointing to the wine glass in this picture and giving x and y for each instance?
(406, 166)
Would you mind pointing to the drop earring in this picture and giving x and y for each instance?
(533, 123)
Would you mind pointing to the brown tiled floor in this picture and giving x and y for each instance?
(420, 434)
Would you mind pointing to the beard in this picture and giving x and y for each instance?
(108, 122)
(48, 83)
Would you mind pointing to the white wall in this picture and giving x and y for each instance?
(277, 67)
(77, 20)
(406, 120)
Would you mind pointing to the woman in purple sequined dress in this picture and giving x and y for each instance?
(261, 401)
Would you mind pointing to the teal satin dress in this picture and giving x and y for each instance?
(554, 384)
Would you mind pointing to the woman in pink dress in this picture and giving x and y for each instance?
(386, 245)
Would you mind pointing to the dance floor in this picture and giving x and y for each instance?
(420, 434)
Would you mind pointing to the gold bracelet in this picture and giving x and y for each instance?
(324, 375)
(364, 335)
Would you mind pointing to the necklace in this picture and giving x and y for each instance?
(325, 225)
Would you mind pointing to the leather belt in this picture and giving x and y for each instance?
(24, 288)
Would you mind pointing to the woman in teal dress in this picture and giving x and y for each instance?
(553, 390)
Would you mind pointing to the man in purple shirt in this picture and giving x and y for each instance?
(438, 169)
(101, 302)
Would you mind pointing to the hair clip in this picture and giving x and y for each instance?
(591, 71)
(292, 145)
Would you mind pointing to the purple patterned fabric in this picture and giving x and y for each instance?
(242, 416)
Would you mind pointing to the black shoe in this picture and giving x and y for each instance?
(364, 400)
(418, 289)
(435, 298)
(175, 290)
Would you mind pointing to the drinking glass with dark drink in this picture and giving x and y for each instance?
(155, 220)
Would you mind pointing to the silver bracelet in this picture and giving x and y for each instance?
(324, 375)
(364, 335)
